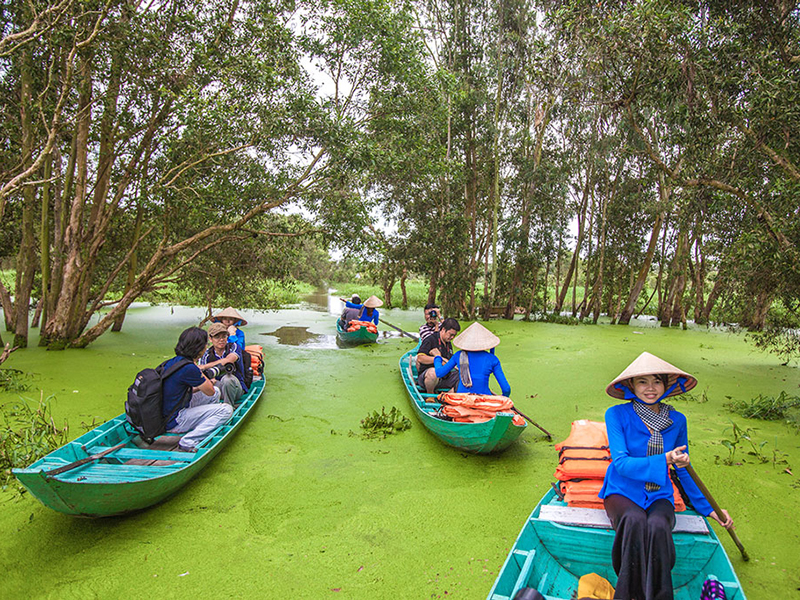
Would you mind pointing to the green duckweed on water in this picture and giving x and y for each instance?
(297, 508)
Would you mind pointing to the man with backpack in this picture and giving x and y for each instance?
(204, 412)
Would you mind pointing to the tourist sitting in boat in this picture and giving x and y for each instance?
(232, 320)
(223, 352)
(432, 320)
(475, 360)
(645, 437)
(436, 345)
(352, 310)
(204, 412)
(367, 311)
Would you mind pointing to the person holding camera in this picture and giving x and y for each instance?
(204, 412)
(433, 320)
(437, 344)
(228, 355)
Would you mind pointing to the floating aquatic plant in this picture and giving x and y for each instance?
(381, 424)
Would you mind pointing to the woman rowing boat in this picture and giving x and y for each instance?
(645, 437)
(476, 361)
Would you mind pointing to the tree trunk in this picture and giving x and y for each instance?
(26, 256)
(716, 290)
(673, 304)
(575, 255)
(432, 286)
(133, 264)
(644, 271)
(403, 277)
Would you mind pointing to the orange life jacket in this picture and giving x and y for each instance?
(256, 353)
(356, 325)
(476, 408)
(583, 460)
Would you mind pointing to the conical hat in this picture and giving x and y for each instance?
(476, 337)
(373, 302)
(230, 312)
(647, 364)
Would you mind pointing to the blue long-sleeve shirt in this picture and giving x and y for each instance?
(630, 466)
(481, 365)
(364, 316)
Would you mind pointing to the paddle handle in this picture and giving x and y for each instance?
(702, 487)
(83, 461)
(416, 339)
(532, 422)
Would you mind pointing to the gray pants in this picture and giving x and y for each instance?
(230, 388)
(203, 415)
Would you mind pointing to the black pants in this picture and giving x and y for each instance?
(643, 553)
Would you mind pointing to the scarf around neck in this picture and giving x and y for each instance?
(656, 423)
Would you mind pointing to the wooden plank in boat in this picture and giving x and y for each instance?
(165, 443)
(595, 517)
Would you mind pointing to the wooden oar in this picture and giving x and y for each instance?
(83, 461)
(532, 422)
(405, 333)
(702, 486)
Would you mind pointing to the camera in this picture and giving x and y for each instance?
(433, 314)
(217, 371)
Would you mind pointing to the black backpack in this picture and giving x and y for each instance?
(144, 407)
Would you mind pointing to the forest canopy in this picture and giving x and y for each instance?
(611, 157)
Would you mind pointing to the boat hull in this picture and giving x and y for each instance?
(355, 338)
(490, 436)
(551, 557)
(110, 487)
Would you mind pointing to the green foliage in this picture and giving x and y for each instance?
(769, 408)
(14, 380)
(738, 437)
(26, 435)
(8, 279)
(560, 319)
(382, 424)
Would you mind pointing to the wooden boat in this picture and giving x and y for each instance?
(353, 338)
(480, 438)
(559, 544)
(129, 478)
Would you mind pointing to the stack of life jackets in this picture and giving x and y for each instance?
(256, 352)
(356, 325)
(582, 462)
(475, 408)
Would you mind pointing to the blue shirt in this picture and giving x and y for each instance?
(237, 338)
(630, 466)
(364, 316)
(481, 365)
(178, 386)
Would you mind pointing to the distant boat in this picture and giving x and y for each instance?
(481, 438)
(559, 544)
(128, 478)
(362, 335)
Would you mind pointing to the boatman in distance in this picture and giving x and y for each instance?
(437, 344)
(433, 320)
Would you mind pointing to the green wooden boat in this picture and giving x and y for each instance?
(354, 338)
(480, 438)
(559, 544)
(129, 478)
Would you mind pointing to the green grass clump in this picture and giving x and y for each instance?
(13, 380)
(26, 435)
(769, 408)
(381, 424)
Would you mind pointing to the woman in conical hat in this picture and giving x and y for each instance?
(646, 437)
(231, 318)
(476, 361)
(369, 310)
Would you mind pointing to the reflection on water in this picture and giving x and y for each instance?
(301, 336)
(322, 300)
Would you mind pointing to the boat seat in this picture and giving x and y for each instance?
(596, 517)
